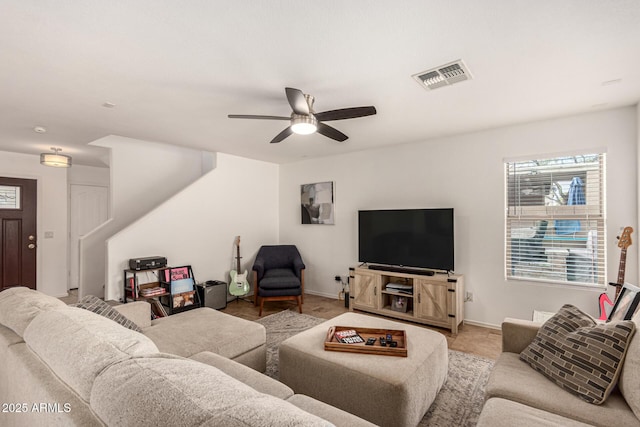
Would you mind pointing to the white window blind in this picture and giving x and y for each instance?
(555, 219)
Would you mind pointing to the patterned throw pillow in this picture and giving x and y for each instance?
(582, 357)
(100, 307)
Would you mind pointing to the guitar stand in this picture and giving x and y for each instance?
(238, 298)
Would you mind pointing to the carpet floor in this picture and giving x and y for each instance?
(459, 402)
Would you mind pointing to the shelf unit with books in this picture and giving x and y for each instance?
(134, 290)
(148, 291)
(180, 292)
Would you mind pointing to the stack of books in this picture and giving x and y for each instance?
(149, 292)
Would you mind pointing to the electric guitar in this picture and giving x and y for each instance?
(624, 241)
(239, 286)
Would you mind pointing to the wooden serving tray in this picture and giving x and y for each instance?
(332, 344)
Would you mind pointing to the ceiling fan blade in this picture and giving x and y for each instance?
(345, 113)
(282, 135)
(249, 116)
(331, 132)
(297, 101)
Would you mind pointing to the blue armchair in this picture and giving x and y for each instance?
(278, 273)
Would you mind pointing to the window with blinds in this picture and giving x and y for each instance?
(555, 219)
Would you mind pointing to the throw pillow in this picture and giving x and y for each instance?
(582, 357)
(100, 307)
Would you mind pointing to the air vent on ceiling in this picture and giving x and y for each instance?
(444, 75)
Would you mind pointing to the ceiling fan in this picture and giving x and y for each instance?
(305, 121)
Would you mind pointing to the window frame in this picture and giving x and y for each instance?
(576, 259)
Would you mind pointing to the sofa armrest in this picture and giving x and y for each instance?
(139, 312)
(517, 334)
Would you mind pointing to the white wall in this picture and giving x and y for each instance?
(464, 172)
(51, 275)
(143, 175)
(88, 175)
(198, 225)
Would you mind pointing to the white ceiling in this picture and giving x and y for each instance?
(175, 69)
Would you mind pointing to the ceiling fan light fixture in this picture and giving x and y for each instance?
(303, 125)
(55, 159)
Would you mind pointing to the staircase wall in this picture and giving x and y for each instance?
(143, 175)
(199, 224)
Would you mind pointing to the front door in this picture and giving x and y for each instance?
(18, 202)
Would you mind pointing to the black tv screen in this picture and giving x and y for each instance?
(420, 238)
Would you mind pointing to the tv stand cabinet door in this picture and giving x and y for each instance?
(431, 301)
(366, 290)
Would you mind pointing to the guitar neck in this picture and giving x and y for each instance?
(621, 270)
(622, 266)
(238, 259)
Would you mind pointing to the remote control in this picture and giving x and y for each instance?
(383, 342)
(393, 344)
(370, 341)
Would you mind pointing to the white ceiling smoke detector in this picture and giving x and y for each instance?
(444, 75)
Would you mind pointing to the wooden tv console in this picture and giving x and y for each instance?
(436, 300)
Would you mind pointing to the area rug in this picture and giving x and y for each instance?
(459, 402)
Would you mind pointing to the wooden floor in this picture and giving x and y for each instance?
(481, 341)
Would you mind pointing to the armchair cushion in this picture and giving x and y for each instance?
(580, 356)
(279, 278)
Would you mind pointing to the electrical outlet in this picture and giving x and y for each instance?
(337, 278)
(468, 297)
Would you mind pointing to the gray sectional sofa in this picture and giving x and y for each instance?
(517, 395)
(62, 365)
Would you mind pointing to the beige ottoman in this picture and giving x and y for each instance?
(386, 390)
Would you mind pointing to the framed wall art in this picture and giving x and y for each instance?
(316, 203)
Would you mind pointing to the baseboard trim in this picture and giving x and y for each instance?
(483, 324)
(321, 294)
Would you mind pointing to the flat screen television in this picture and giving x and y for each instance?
(421, 238)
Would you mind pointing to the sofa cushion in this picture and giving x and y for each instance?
(327, 412)
(77, 345)
(515, 380)
(189, 393)
(98, 306)
(505, 413)
(138, 312)
(206, 329)
(20, 305)
(245, 374)
(579, 355)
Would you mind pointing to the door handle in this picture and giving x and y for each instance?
(31, 246)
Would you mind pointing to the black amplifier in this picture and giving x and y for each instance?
(147, 263)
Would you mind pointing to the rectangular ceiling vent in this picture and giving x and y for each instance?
(445, 75)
